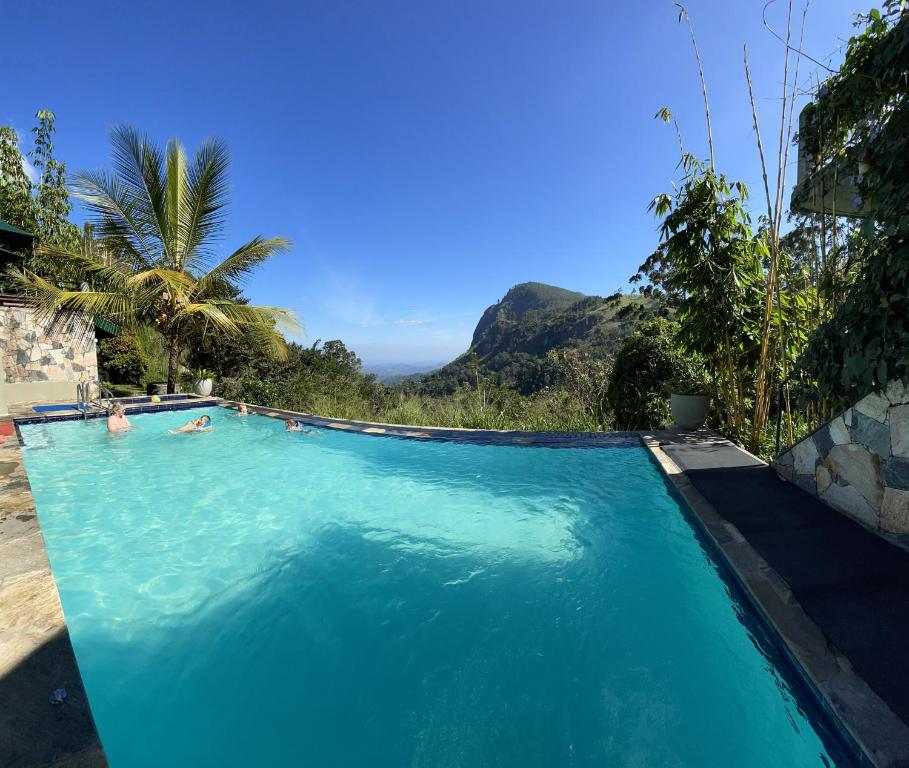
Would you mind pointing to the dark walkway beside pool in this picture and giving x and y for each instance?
(851, 582)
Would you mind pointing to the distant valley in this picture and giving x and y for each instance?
(391, 374)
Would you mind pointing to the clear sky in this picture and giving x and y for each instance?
(423, 156)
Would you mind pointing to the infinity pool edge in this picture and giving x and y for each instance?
(865, 721)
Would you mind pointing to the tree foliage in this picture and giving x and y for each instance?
(53, 207)
(17, 206)
(862, 113)
(42, 208)
(647, 366)
(586, 377)
(710, 262)
(158, 216)
(122, 359)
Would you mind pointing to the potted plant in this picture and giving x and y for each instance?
(689, 402)
(202, 381)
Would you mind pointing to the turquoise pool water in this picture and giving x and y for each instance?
(254, 597)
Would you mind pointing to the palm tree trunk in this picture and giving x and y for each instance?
(173, 357)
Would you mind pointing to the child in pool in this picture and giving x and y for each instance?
(202, 424)
(295, 426)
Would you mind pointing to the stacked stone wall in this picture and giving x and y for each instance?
(61, 349)
(858, 463)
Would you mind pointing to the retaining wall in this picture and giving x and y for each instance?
(858, 463)
(43, 360)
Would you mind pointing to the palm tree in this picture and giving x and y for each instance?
(159, 216)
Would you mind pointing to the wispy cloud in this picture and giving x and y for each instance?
(30, 170)
(410, 321)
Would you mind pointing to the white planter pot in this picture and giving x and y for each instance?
(689, 411)
(203, 387)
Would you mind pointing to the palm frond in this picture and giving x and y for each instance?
(177, 282)
(250, 315)
(112, 209)
(207, 313)
(48, 299)
(85, 266)
(268, 340)
(238, 266)
(140, 168)
(202, 217)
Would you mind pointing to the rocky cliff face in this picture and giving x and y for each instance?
(514, 335)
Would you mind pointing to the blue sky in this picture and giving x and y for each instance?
(423, 156)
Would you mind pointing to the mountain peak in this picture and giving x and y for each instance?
(541, 296)
(521, 299)
(515, 334)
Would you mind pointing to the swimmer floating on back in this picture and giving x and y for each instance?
(202, 424)
(295, 426)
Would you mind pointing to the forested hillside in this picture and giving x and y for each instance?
(514, 336)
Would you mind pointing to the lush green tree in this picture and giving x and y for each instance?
(159, 215)
(711, 260)
(122, 359)
(53, 207)
(861, 119)
(42, 208)
(17, 206)
(644, 370)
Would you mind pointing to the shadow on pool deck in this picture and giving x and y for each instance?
(852, 583)
(34, 733)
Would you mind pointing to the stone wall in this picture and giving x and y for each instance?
(858, 463)
(58, 350)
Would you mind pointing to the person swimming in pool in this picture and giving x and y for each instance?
(295, 426)
(242, 410)
(117, 421)
(202, 424)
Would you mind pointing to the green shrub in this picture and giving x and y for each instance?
(646, 367)
(122, 359)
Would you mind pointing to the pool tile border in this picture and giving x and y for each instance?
(876, 734)
(452, 434)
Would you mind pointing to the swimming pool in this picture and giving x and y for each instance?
(254, 597)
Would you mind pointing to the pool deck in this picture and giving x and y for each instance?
(834, 594)
(36, 656)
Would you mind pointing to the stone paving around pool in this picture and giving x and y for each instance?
(36, 657)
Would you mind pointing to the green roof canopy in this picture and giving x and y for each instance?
(106, 326)
(7, 227)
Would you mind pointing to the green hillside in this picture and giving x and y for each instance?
(513, 336)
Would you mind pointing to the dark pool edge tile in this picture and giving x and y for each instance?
(453, 434)
(863, 720)
(38, 653)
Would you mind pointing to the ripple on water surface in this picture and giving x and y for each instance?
(254, 597)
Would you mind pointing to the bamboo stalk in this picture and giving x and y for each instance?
(683, 14)
(760, 398)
